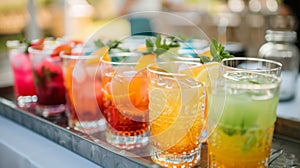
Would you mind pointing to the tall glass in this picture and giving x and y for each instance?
(25, 92)
(243, 112)
(80, 81)
(124, 101)
(48, 80)
(176, 113)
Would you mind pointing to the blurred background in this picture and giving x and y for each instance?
(243, 23)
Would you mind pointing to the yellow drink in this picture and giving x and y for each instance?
(176, 114)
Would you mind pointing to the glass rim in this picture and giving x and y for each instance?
(44, 51)
(121, 54)
(183, 58)
(176, 74)
(77, 57)
(278, 64)
(253, 86)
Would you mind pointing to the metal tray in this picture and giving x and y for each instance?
(95, 149)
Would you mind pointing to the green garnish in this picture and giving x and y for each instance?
(112, 44)
(44, 77)
(161, 45)
(22, 40)
(217, 51)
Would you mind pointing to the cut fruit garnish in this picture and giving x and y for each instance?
(142, 48)
(208, 72)
(144, 61)
(206, 53)
(138, 89)
(204, 73)
(39, 44)
(66, 48)
(101, 52)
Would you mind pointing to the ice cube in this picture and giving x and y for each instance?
(262, 94)
(79, 73)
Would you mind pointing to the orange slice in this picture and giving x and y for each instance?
(144, 61)
(138, 89)
(101, 52)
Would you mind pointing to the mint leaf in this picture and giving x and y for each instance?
(250, 142)
(204, 59)
(112, 44)
(99, 43)
(161, 45)
(218, 52)
(149, 45)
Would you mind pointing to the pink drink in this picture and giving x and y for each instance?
(25, 91)
(49, 83)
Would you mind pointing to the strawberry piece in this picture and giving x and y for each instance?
(66, 48)
(75, 42)
(38, 45)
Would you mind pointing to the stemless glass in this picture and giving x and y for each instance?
(25, 92)
(48, 80)
(176, 113)
(80, 79)
(124, 101)
(243, 112)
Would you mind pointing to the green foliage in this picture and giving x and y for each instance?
(112, 44)
(161, 45)
(217, 51)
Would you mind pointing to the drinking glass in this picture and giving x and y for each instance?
(176, 113)
(243, 112)
(48, 80)
(124, 101)
(25, 92)
(81, 80)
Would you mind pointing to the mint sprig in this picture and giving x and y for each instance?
(161, 45)
(112, 44)
(217, 51)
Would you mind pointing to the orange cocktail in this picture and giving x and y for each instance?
(124, 101)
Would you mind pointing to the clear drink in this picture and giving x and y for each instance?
(81, 81)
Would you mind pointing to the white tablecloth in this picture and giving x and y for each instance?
(22, 148)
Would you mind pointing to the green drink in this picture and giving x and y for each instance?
(241, 118)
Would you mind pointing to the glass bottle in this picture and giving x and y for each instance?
(280, 46)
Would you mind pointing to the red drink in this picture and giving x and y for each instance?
(48, 80)
(124, 103)
(25, 92)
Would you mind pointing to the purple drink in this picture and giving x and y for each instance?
(48, 80)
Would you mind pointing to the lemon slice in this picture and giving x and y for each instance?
(205, 52)
(144, 61)
(208, 72)
(142, 48)
(204, 73)
(103, 51)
